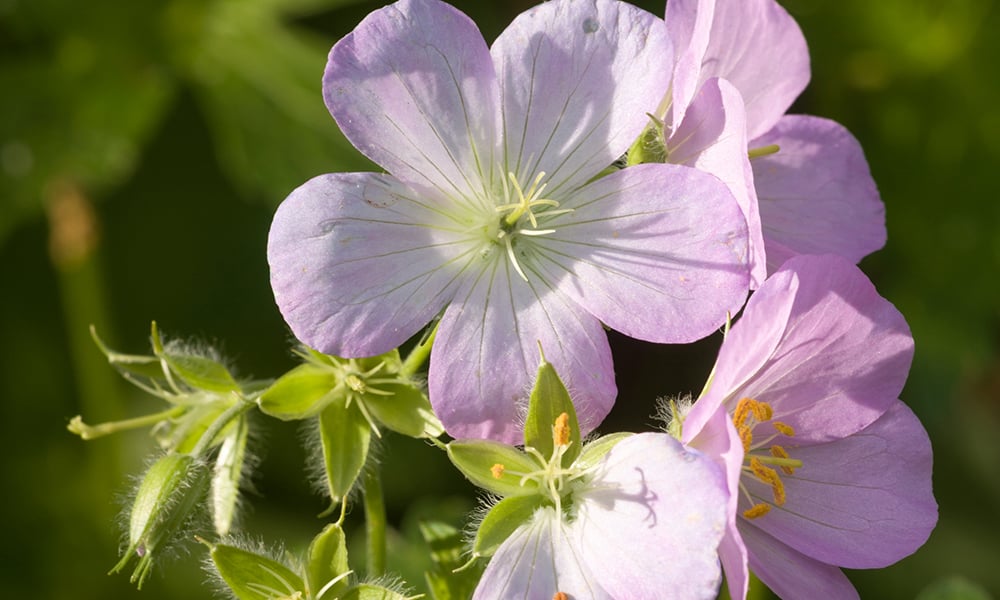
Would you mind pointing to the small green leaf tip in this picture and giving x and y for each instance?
(549, 400)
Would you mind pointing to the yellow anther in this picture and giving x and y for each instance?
(742, 412)
(770, 477)
(783, 428)
(497, 471)
(778, 488)
(761, 411)
(560, 431)
(757, 510)
(779, 452)
(560, 596)
(746, 436)
(764, 473)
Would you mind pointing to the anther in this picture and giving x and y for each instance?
(497, 470)
(757, 510)
(784, 428)
(761, 411)
(560, 431)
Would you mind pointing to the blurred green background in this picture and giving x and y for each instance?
(145, 145)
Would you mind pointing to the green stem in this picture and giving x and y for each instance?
(375, 522)
(418, 356)
(89, 432)
(205, 442)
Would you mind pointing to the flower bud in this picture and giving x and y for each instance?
(163, 504)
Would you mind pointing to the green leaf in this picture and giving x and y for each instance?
(506, 516)
(145, 367)
(366, 591)
(345, 435)
(327, 562)
(299, 394)
(549, 399)
(201, 373)
(476, 459)
(254, 577)
(226, 475)
(406, 411)
(595, 450)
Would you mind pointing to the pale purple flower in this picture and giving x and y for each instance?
(644, 523)
(826, 467)
(490, 214)
(816, 194)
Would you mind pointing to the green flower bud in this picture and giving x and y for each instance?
(163, 504)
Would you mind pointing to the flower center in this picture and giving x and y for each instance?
(748, 415)
(552, 478)
(527, 205)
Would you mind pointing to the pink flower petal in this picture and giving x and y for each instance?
(816, 193)
(655, 251)
(414, 88)
(355, 268)
(755, 44)
(712, 138)
(576, 81)
(843, 357)
(861, 502)
(486, 355)
(651, 524)
(539, 559)
(790, 574)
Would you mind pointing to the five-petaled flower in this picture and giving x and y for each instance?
(643, 523)
(826, 467)
(493, 210)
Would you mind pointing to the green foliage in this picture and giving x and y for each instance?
(345, 436)
(478, 460)
(549, 399)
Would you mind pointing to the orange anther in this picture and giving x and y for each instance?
(497, 471)
(757, 510)
(783, 428)
(560, 431)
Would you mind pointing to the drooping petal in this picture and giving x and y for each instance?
(817, 195)
(843, 357)
(712, 138)
(655, 251)
(358, 265)
(536, 561)
(486, 355)
(720, 440)
(756, 45)
(650, 524)
(789, 573)
(861, 502)
(576, 80)
(413, 87)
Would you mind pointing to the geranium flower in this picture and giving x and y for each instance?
(492, 211)
(826, 467)
(644, 522)
(622, 516)
(807, 190)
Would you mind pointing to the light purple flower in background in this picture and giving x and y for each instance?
(490, 211)
(826, 467)
(645, 524)
(816, 194)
